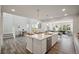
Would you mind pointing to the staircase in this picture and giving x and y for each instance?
(8, 36)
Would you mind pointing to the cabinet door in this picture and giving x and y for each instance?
(37, 46)
(29, 44)
(54, 39)
(44, 45)
(49, 43)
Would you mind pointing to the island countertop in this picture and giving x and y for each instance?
(39, 36)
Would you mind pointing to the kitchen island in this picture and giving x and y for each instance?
(40, 43)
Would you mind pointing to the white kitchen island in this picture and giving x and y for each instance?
(40, 43)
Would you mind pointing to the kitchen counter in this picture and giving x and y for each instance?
(39, 36)
(40, 43)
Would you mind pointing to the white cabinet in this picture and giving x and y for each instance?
(36, 46)
(44, 46)
(54, 39)
(29, 44)
(39, 46)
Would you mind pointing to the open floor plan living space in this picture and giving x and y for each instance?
(39, 29)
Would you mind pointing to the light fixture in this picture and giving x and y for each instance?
(38, 10)
(13, 10)
(51, 17)
(65, 14)
(63, 9)
(47, 24)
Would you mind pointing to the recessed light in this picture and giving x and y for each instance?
(13, 10)
(47, 24)
(65, 14)
(51, 17)
(63, 9)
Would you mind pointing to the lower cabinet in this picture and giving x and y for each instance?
(39, 46)
(54, 39)
(44, 46)
(29, 44)
(36, 46)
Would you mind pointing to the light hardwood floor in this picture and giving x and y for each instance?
(64, 45)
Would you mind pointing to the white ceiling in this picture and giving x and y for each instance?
(45, 11)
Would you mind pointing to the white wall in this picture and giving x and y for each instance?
(12, 22)
(1, 28)
(76, 30)
(7, 23)
(76, 24)
(25, 23)
(0, 19)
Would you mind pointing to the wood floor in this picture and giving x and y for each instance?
(65, 45)
(12, 46)
(18, 46)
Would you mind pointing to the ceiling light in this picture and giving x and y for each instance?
(65, 14)
(13, 10)
(47, 24)
(51, 17)
(63, 9)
